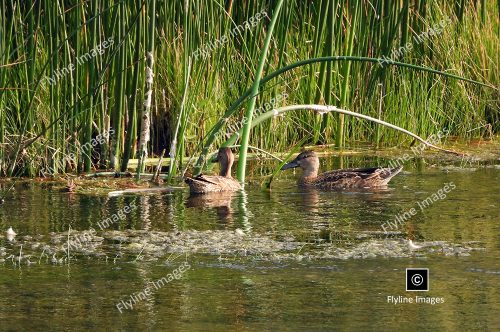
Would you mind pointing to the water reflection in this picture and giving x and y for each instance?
(250, 293)
(244, 213)
(218, 201)
(324, 214)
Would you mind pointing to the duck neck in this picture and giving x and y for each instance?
(310, 174)
(310, 170)
(225, 170)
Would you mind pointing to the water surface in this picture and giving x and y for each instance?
(335, 272)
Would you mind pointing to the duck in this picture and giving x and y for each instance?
(354, 178)
(202, 184)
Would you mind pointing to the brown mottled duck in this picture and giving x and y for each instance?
(356, 178)
(223, 182)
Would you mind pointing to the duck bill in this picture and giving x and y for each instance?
(291, 164)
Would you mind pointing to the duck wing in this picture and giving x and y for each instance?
(204, 183)
(203, 179)
(357, 177)
(382, 176)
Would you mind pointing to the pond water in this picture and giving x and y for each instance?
(286, 259)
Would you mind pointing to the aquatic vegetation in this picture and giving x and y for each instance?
(73, 72)
(130, 245)
(242, 162)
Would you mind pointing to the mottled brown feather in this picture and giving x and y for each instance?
(340, 179)
(216, 183)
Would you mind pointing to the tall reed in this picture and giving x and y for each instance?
(60, 112)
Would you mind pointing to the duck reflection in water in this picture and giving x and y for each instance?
(219, 201)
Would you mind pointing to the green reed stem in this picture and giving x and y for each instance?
(254, 92)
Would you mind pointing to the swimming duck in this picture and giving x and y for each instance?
(223, 182)
(356, 178)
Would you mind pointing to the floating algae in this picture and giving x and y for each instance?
(153, 245)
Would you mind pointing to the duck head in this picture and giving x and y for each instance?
(225, 158)
(308, 161)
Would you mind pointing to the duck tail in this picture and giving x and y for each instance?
(194, 184)
(389, 173)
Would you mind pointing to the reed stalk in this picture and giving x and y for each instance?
(233, 107)
(254, 92)
(323, 110)
(50, 128)
(131, 135)
(148, 94)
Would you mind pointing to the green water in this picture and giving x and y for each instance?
(302, 289)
